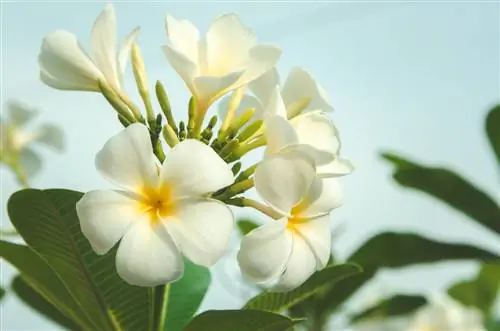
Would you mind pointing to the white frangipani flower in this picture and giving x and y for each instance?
(229, 57)
(16, 141)
(64, 64)
(313, 132)
(289, 250)
(158, 214)
(444, 313)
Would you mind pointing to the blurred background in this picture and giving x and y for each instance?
(412, 77)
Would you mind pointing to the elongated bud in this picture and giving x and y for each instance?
(245, 174)
(235, 189)
(213, 122)
(234, 103)
(170, 136)
(243, 119)
(295, 108)
(182, 131)
(191, 117)
(161, 94)
(142, 82)
(123, 121)
(229, 148)
(206, 135)
(250, 130)
(115, 101)
(236, 168)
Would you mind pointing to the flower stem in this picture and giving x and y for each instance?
(133, 108)
(161, 304)
(245, 202)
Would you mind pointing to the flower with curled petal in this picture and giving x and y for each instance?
(289, 250)
(159, 215)
(64, 64)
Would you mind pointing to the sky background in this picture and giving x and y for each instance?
(414, 77)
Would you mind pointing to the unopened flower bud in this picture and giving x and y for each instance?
(170, 136)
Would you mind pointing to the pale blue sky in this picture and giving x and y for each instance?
(417, 78)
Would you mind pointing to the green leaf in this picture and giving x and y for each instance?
(450, 188)
(493, 130)
(2, 293)
(391, 307)
(480, 292)
(492, 325)
(245, 226)
(278, 301)
(393, 250)
(37, 302)
(185, 296)
(240, 320)
(45, 281)
(48, 223)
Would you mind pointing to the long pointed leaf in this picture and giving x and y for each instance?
(397, 305)
(450, 188)
(48, 223)
(493, 130)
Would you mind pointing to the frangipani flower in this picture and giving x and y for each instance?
(289, 250)
(16, 140)
(64, 64)
(158, 214)
(443, 313)
(313, 132)
(229, 57)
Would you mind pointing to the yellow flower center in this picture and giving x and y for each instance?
(158, 203)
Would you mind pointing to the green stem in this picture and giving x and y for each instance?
(161, 306)
(135, 110)
(245, 202)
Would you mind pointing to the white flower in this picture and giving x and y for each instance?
(313, 132)
(65, 65)
(443, 313)
(158, 214)
(228, 58)
(16, 140)
(290, 249)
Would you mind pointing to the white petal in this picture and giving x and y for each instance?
(228, 45)
(301, 265)
(262, 59)
(183, 36)
(317, 233)
(51, 135)
(284, 179)
(324, 195)
(104, 45)
(317, 130)
(124, 54)
(65, 65)
(263, 86)
(127, 159)
(105, 216)
(201, 229)
(275, 104)
(299, 85)
(338, 167)
(30, 162)
(194, 169)
(20, 113)
(264, 252)
(187, 69)
(279, 133)
(210, 88)
(147, 256)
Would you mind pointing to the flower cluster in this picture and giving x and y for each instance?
(177, 204)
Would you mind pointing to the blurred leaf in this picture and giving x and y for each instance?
(493, 129)
(240, 320)
(393, 250)
(390, 307)
(480, 292)
(185, 296)
(492, 325)
(2, 293)
(278, 301)
(48, 223)
(30, 162)
(245, 226)
(45, 281)
(449, 187)
(37, 302)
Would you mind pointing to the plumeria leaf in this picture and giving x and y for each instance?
(278, 301)
(480, 292)
(45, 281)
(185, 296)
(2, 293)
(395, 250)
(37, 302)
(493, 130)
(245, 226)
(397, 305)
(241, 320)
(48, 223)
(448, 187)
